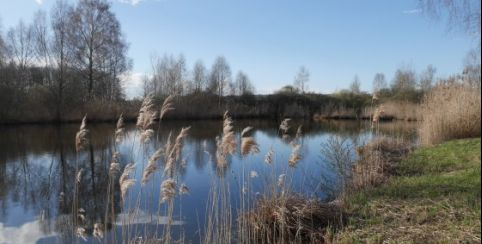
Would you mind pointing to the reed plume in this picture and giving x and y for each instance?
(245, 131)
(120, 129)
(175, 149)
(281, 180)
(147, 111)
(166, 106)
(226, 144)
(179, 142)
(228, 139)
(81, 138)
(284, 126)
(98, 230)
(183, 189)
(114, 165)
(168, 190)
(124, 181)
(78, 177)
(249, 145)
(295, 156)
(299, 132)
(253, 174)
(269, 156)
(82, 233)
(146, 135)
(151, 165)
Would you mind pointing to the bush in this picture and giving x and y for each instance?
(450, 111)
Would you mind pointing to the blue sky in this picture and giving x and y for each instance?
(271, 39)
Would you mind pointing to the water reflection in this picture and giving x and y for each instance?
(38, 170)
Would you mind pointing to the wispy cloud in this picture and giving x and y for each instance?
(39, 2)
(131, 2)
(412, 11)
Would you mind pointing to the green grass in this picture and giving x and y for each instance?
(434, 197)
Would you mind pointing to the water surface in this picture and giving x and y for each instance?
(38, 169)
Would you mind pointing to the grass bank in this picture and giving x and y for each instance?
(433, 196)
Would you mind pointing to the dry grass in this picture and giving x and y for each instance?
(450, 111)
(285, 218)
(377, 160)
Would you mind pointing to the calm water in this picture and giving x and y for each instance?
(37, 174)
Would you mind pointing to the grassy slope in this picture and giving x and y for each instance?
(435, 197)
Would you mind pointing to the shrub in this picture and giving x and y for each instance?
(450, 111)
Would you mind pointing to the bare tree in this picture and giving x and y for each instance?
(427, 78)
(199, 76)
(301, 79)
(59, 20)
(220, 76)
(355, 85)
(472, 68)
(379, 82)
(169, 74)
(243, 85)
(461, 15)
(21, 51)
(96, 44)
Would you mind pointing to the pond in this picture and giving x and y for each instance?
(39, 166)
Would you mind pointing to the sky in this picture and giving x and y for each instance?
(270, 39)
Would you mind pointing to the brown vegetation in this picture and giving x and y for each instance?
(450, 111)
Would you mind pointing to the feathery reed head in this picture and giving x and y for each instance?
(151, 165)
(168, 190)
(281, 180)
(246, 130)
(166, 106)
(147, 113)
(120, 129)
(183, 189)
(146, 135)
(124, 181)
(269, 156)
(253, 174)
(114, 164)
(284, 126)
(78, 177)
(81, 138)
(98, 230)
(249, 145)
(295, 156)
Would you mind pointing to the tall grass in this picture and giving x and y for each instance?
(450, 111)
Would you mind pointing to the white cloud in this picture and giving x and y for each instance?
(39, 2)
(132, 83)
(131, 2)
(412, 11)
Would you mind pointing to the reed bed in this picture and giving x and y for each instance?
(450, 111)
(377, 160)
(287, 218)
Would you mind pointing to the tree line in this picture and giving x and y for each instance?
(170, 75)
(72, 55)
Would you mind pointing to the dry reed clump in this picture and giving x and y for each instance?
(124, 181)
(291, 218)
(284, 126)
(450, 111)
(81, 138)
(377, 160)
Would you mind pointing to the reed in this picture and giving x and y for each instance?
(450, 111)
(81, 138)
